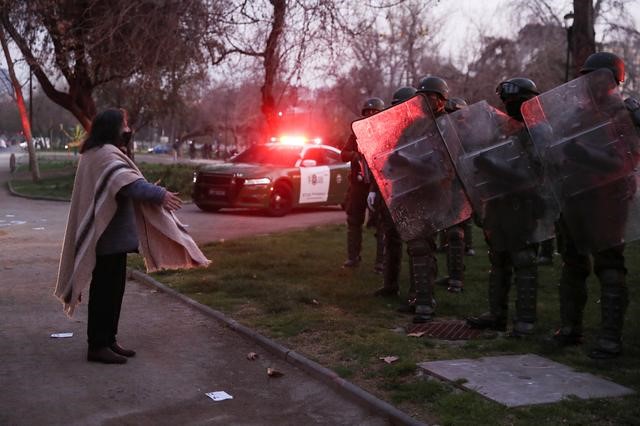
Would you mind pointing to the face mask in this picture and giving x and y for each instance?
(513, 109)
(125, 138)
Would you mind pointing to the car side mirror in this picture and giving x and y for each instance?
(308, 163)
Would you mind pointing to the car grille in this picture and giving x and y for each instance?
(214, 179)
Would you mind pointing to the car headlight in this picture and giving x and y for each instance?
(259, 181)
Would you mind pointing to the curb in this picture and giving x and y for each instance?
(33, 197)
(346, 388)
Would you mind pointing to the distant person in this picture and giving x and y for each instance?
(176, 150)
(115, 211)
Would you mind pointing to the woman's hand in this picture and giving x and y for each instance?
(171, 201)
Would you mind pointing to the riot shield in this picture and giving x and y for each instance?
(583, 133)
(587, 144)
(497, 164)
(412, 168)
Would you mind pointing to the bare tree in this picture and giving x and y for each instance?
(74, 47)
(26, 125)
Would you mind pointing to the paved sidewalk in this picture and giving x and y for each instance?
(182, 353)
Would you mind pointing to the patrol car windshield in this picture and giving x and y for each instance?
(274, 155)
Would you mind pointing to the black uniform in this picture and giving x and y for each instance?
(356, 202)
(508, 226)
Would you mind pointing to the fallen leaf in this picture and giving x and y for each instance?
(252, 356)
(417, 334)
(315, 302)
(272, 372)
(389, 359)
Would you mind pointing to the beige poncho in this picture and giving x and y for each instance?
(164, 243)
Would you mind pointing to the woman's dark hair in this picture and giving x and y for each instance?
(106, 128)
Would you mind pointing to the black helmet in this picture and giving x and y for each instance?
(519, 87)
(454, 104)
(605, 60)
(435, 85)
(375, 104)
(402, 94)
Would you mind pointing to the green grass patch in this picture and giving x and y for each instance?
(57, 178)
(291, 287)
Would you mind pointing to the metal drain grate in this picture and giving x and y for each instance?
(447, 330)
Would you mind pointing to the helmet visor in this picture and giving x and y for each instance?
(507, 89)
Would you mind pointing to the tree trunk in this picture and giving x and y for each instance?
(271, 64)
(26, 126)
(583, 40)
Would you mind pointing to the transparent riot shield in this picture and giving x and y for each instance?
(497, 164)
(588, 147)
(412, 168)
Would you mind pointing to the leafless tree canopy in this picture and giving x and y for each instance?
(225, 68)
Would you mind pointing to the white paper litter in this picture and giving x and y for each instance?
(61, 335)
(219, 395)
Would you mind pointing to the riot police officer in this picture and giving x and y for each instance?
(359, 185)
(608, 264)
(455, 238)
(508, 223)
(422, 260)
(392, 241)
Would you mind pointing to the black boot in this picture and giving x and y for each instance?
(545, 256)
(354, 244)
(573, 298)
(468, 238)
(487, 321)
(105, 356)
(614, 299)
(526, 282)
(378, 266)
(423, 270)
(115, 347)
(455, 259)
(499, 285)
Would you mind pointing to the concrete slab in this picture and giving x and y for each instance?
(516, 380)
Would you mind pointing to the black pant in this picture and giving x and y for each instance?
(105, 299)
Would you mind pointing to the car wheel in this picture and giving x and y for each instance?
(210, 209)
(280, 202)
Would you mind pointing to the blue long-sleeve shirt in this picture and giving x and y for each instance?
(121, 236)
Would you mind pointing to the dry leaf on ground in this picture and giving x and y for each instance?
(272, 372)
(389, 359)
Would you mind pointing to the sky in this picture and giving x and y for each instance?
(465, 21)
(467, 18)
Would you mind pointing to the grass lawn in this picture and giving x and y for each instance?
(291, 287)
(57, 178)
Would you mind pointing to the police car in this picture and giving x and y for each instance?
(275, 177)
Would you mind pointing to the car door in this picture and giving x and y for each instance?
(339, 176)
(315, 177)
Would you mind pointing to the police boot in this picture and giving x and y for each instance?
(613, 304)
(545, 257)
(468, 239)
(496, 318)
(354, 244)
(455, 259)
(423, 272)
(573, 298)
(391, 271)
(378, 266)
(526, 282)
